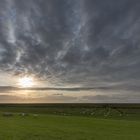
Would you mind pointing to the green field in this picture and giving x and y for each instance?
(70, 122)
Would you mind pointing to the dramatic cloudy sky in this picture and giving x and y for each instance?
(84, 50)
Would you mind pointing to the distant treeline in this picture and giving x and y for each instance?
(75, 105)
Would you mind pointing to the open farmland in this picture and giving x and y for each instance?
(70, 122)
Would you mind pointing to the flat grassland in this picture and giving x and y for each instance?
(70, 122)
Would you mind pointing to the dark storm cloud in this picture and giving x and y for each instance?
(87, 43)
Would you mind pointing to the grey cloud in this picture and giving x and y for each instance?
(50, 98)
(116, 98)
(9, 99)
(87, 43)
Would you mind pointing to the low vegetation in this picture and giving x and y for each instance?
(70, 122)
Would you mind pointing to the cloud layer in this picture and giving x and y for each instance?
(86, 43)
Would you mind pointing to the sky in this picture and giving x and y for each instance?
(73, 50)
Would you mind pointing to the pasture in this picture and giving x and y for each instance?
(70, 122)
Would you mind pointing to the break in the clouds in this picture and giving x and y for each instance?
(72, 43)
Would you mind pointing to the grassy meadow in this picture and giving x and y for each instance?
(70, 122)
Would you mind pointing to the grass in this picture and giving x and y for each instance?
(70, 127)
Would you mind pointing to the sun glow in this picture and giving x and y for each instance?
(26, 82)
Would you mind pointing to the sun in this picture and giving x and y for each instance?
(26, 82)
